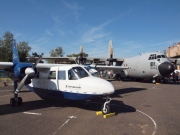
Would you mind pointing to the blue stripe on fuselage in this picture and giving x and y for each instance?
(44, 93)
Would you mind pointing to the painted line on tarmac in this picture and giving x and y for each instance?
(32, 113)
(61, 126)
(155, 125)
(70, 117)
(6, 95)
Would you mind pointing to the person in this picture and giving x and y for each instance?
(173, 75)
(176, 76)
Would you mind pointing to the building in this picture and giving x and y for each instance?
(174, 52)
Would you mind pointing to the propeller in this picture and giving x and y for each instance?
(29, 73)
(111, 60)
(80, 58)
(38, 60)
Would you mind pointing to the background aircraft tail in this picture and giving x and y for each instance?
(110, 49)
(15, 56)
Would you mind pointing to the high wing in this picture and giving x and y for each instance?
(67, 59)
(6, 65)
(101, 67)
(175, 60)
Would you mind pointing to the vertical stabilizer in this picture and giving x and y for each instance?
(110, 49)
(15, 56)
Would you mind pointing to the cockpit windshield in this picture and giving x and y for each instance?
(154, 56)
(77, 73)
(161, 56)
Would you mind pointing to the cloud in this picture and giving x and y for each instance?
(47, 32)
(75, 8)
(95, 33)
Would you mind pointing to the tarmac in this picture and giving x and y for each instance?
(141, 109)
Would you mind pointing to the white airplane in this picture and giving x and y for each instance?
(72, 82)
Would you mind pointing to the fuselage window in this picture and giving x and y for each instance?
(152, 64)
(52, 75)
(61, 75)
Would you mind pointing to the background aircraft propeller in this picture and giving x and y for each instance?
(111, 59)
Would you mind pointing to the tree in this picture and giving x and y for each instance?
(77, 55)
(6, 47)
(58, 52)
(23, 49)
(33, 60)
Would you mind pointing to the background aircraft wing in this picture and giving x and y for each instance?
(43, 65)
(5, 65)
(101, 67)
(175, 60)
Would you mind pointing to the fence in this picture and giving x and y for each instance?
(4, 78)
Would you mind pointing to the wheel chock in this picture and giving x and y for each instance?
(99, 113)
(109, 115)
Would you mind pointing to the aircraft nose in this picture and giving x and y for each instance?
(166, 68)
(108, 88)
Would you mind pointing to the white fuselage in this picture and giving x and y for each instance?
(144, 66)
(81, 85)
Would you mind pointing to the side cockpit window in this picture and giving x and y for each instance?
(52, 75)
(72, 75)
(62, 75)
(163, 56)
(152, 57)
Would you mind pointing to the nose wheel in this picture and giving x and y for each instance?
(16, 100)
(106, 106)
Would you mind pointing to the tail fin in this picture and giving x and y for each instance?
(110, 49)
(15, 56)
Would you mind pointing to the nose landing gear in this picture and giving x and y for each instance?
(16, 100)
(106, 106)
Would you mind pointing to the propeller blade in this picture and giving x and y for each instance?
(38, 60)
(28, 72)
(81, 49)
(21, 84)
(111, 52)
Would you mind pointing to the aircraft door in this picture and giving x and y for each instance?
(62, 79)
(52, 83)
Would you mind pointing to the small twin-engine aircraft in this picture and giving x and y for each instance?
(72, 81)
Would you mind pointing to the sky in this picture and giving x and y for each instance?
(134, 26)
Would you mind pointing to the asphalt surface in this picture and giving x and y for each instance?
(141, 109)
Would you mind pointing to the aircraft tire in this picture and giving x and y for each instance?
(20, 101)
(106, 110)
(12, 102)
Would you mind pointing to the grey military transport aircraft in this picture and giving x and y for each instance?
(155, 66)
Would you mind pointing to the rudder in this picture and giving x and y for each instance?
(15, 56)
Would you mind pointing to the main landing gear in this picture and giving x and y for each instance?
(16, 100)
(106, 106)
